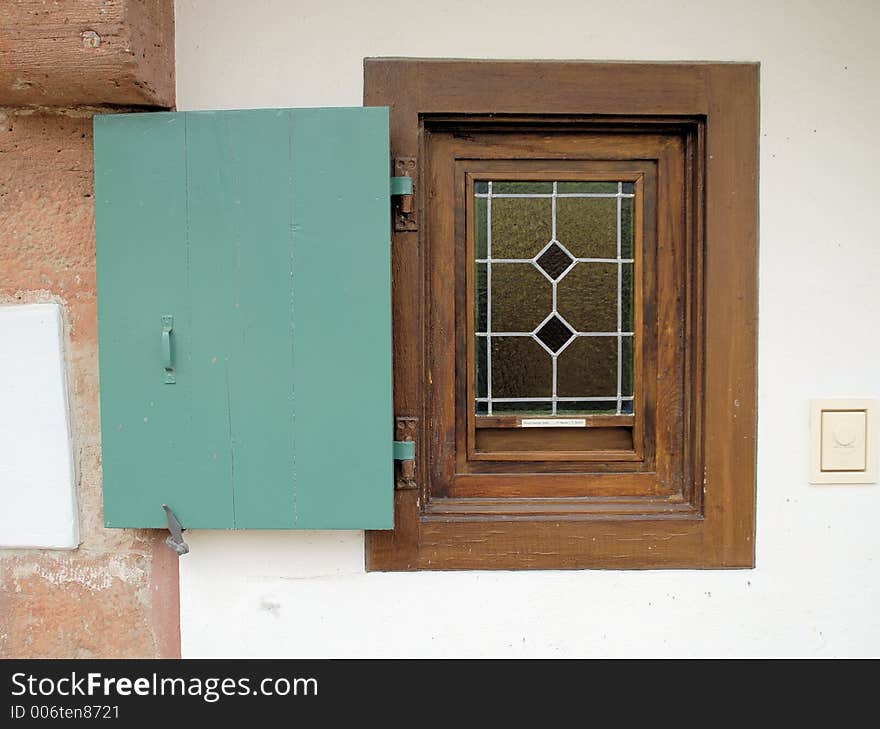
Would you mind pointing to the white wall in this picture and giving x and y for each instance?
(815, 589)
(37, 479)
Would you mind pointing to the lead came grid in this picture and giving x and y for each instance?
(550, 255)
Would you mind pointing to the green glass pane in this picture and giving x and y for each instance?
(627, 238)
(588, 368)
(587, 297)
(587, 226)
(591, 188)
(586, 407)
(520, 368)
(480, 363)
(522, 188)
(522, 297)
(522, 408)
(520, 226)
(481, 227)
(626, 381)
(481, 298)
(626, 297)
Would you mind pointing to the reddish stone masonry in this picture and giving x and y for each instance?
(117, 594)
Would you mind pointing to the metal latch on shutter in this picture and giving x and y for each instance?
(405, 452)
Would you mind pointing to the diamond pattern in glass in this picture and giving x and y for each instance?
(580, 359)
(554, 334)
(554, 261)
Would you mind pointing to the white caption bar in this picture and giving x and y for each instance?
(553, 423)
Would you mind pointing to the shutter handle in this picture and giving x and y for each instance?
(167, 359)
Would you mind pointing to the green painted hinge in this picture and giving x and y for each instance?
(401, 186)
(404, 450)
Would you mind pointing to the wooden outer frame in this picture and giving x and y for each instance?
(509, 536)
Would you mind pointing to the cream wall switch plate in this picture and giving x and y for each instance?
(843, 441)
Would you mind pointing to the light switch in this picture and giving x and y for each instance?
(843, 440)
(844, 448)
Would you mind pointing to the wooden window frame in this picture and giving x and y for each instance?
(456, 469)
(709, 521)
(601, 428)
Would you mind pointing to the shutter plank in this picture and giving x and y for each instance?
(240, 231)
(140, 205)
(214, 231)
(342, 306)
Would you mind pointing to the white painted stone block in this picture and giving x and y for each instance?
(37, 483)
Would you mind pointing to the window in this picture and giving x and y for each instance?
(574, 313)
(553, 286)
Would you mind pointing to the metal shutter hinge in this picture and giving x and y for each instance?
(403, 190)
(405, 452)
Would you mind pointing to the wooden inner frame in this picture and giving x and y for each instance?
(647, 459)
(606, 438)
(674, 488)
(500, 437)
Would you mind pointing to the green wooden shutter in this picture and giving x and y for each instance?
(265, 234)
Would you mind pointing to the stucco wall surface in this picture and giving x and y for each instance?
(109, 597)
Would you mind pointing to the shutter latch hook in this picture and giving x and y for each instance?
(175, 541)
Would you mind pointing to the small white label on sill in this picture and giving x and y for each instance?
(553, 423)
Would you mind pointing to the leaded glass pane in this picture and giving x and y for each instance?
(554, 334)
(626, 366)
(554, 292)
(481, 360)
(521, 226)
(482, 296)
(586, 407)
(626, 297)
(554, 261)
(590, 188)
(588, 368)
(523, 408)
(481, 227)
(521, 297)
(520, 368)
(523, 188)
(626, 227)
(587, 297)
(587, 226)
